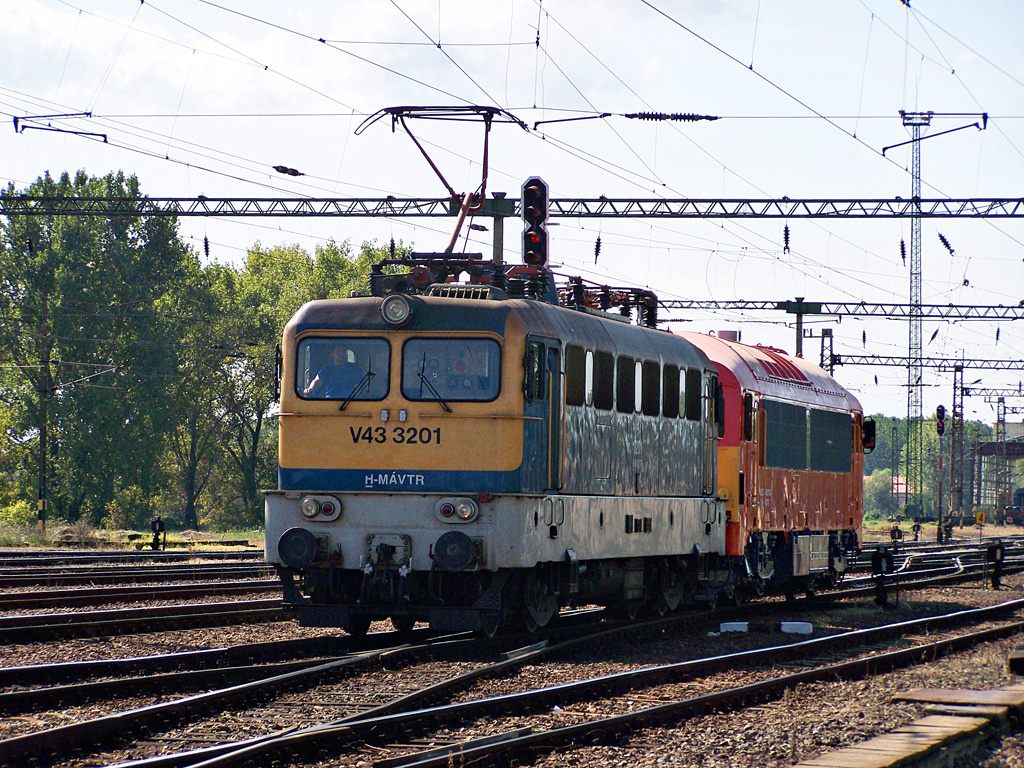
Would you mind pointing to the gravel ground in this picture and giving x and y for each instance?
(131, 646)
(807, 722)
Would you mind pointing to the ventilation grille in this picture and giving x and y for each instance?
(465, 291)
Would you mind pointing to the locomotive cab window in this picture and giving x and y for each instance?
(451, 369)
(533, 386)
(343, 369)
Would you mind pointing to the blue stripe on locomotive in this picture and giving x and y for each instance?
(389, 481)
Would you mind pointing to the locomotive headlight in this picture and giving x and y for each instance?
(447, 509)
(309, 507)
(466, 510)
(396, 310)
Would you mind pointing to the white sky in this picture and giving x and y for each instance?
(202, 98)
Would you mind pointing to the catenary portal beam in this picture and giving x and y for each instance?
(24, 205)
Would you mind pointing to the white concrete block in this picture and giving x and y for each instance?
(797, 627)
(734, 626)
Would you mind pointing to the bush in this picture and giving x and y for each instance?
(19, 515)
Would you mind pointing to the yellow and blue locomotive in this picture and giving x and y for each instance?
(457, 456)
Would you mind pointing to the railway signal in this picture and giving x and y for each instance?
(535, 214)
(940, 420)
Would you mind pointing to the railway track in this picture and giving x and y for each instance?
(35, 599)
(120, 574)
(16, 558)
(42, 627)
(374, 715)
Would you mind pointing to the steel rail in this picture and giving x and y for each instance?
(373, 728)
(30, 675)
(22, 557)
(44, 627)
(125, 573)
(605, 729)
(99, 595)
(114, 727)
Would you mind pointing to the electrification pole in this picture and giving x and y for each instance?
(915, 381)
(956, 451)
(45, 386)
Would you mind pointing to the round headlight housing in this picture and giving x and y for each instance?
(309, 507)
(447, 509)
(396, 310)
(466, 510)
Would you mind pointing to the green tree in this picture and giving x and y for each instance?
(84, 331)
(879, 500)
(257, 301)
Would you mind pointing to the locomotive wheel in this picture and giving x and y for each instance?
(403, 624)
(489, 624)
(358, 626)
(541, 606)
(671, 597)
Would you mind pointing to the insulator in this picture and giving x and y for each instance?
(688, 117)
(498, 279)
(578, 294)
(31, 248)
(903, 251)
(651, 312)
(206, 246)
(392, 247)
(785, 239)
(997, 335)
(864, 338)
(597, 248)
(945, 242)
(604, 298)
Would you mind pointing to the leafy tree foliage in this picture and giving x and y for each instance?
(890, 450)
(84, 294)
(155, 372)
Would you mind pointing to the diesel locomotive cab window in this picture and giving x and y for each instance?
(343, 369)
(451, 369)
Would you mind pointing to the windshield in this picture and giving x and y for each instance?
(343, 369)
(451, 369)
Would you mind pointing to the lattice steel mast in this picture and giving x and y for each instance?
(915, 372)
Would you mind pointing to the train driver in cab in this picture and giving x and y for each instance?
(336, 380)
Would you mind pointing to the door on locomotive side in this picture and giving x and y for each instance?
(542, 411)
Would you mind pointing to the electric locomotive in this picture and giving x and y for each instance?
(479, 460)
(472, 456)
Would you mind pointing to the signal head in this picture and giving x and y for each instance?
(535, 213)
(535, 200)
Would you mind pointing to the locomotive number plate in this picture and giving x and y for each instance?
(398, 435)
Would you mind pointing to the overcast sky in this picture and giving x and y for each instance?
(204, 98)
